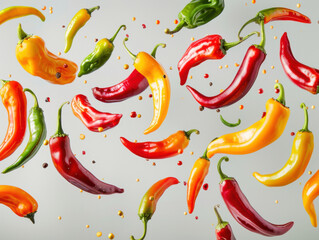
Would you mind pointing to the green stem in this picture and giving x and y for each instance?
(31, 216)
(228, 124)
(21, 34)
(90, 10)
(223, 176)
(219, 218)
(189, 133)
(227, 46)
(145, 229)
(255, 19)
(263, 35)
(177, 29)
(59, 132)
(205, 155)
(305, 125)
(36, 104)
(281, 97)
(112, 39)
(4, 82)
(163, 45)
(133, 56)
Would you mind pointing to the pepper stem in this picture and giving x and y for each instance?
(219, 218)
(223, 176)
(177, 29)
(36, 104)
(59, 131)
(145, 229)
(255, 19)
(305, 126)
(281, 97)
(133, 56)
(263, 35)
(205, 155)
(90, 10)
(163, 45)
(189, 133)
(31, 216)
(4, 81)
(112, 39)
(227, 46)
(21, 34)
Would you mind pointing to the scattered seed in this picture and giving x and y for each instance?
(98, 234)
(45, 142)
(309, 172)
(126, 66)
(111, 236)
(45, 165)
(82, 136)
(241, 107)
(201, 108)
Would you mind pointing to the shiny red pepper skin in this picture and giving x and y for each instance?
(241, 84)
(279, 14)
(223, 230)
(303, 76)
(240, 208)
(93, 119)
(71, 169)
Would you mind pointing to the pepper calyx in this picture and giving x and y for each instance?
(317, 89)
(281, 97)
(31, 216)
(189, 133)
(177, 29)
(223, 176)
(90, 10)
(22, 35)
(205, 155)
(221, 224)
(305, 126)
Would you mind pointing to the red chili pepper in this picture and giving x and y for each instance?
(71, 169)
(223, 229)
(15, 101)
(133, 85)
(93, 119)
(240, 208)
(166, 148)
(209, 47)
(303, 76)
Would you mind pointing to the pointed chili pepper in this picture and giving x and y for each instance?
(93, 119)
(77, 22)
(19, 11)
(169, 147)
(133, 85)
(276, 14)
(102, 52)
(309, 194)
(149, 201)
(38, 132)
(15, 102)
(19, 201)
(303, 76)
(259, 135)
(240, 208)
(197, 13)
(71, 169)
(158, 80)
(206, 48)
(223, 229)
(243, 81)
(296, 165)
(39, 61)
(196, 179)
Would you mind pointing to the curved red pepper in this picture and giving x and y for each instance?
(240, 208)
(71, 169)
(223, 230)
(93, 119)
(303, 76)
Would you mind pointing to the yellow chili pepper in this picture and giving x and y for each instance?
(257, 136)
(77, 22)
(157, 78)
(19, 11)
(309, 194)
(38, 61)
(296, 165)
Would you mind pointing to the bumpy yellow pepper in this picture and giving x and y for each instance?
(19, 11)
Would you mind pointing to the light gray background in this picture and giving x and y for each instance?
(114, 163)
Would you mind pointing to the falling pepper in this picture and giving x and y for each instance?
(19, 11)
(223, 230)
(309, 194)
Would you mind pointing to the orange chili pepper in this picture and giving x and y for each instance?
(157, 78)
(19, 201)
(257, 136)
(38, 61)
(19, 11)
(309, 194)
(15, 101)
(196, 179)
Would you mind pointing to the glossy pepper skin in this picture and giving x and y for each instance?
(240, 208)
(149, 201)
(196, 179)
(15, 102)
(309, 194)
(197, 13)
(133, 85)
(71, 169)
(296, 165)
(19, 11)
(102, 52)
(158, 81)
(77, 22)
(39, 61)
(19, 201)
(223, 230)
(257, 136)
(93, 119)
(302, 75)
(169, 147)
(38, 132)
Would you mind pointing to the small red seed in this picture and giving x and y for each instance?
(143, 25)
(206, 76)
(179, 163)
(277, 90)
(205, 186)
(263, 115)
(65, 65)
(196, 217)
(133, 114)
(83, 152)
(150, 96)
(185, 183)
(47, 99)
(260, 91)
(127, 35)
(292, 134)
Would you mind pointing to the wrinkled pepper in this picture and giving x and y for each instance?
(102, 52)
(309, 194)
(158, 80)
(37, 130)
(77, 22)
(296, 165)
(149, 201)
(169, 147)
(223, 230)
(15, 102)
(19, 11)
(197, 13)
(38, 61)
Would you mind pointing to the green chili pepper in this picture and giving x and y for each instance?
(228, 124)
(102, 52)
(197, 13)
(38, 134)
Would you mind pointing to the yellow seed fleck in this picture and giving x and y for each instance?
(104, 135)
(275, 37)
(190, 77)
(226, 66)
(59, 217)
(192, 39)
(276, 81)
(299, 183)
(126, 66)
(22, 166)
(9, 75)
(272, 67)
(151, 198)
(154, 164)
(85, 36)
(46, 142)
(51, 11)
(253, 1)
(221, 90)
(44, 7)
(118, 57)
(241, 107)
(82, 136)
(298, 5)
(59, 53)
(264, 71)
(185, 213)
(122, 216)
(99, 197)
(139, 115)
(81, 190)
(220, 67)
(87, 226)
(170, 68)
(157, 22)
(236, 65)
(133, 18)
(120, 213)
(140, 97)
(191, 153)
(172, 35)
(313, 107)
(271, 27)
(98, 234)
(111, 236)
(100, 129)
(310, 172)
(276, 201)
